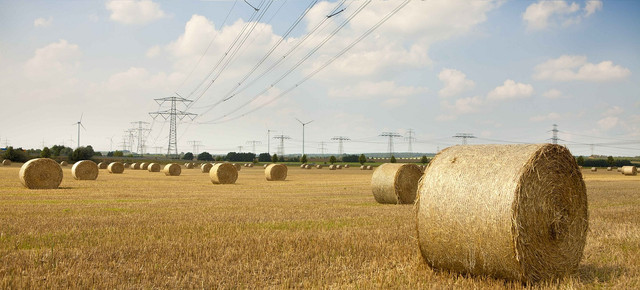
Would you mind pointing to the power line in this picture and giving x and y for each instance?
(464, 137)
(410, 138)
(340, 143)
(140, 134)
(281, 147)
(391, 135)
(253, 144)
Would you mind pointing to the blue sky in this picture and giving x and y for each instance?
(504, 71)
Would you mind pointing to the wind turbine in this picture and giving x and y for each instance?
(79, 124)
(303, 124)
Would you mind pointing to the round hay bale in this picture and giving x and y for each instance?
(144, 166)
(85, 170)
(126, 165)
(275, 172)
(319, 166)
(307, 166)
(103, 165)
(619, 169)
(525, 218)
(223, 173)
(332, 167)
(41, 173)
(609, 168)
(6, 162)
(369, 167)
(629, 170)
(250, 165)
(302, 165)
(172, 169)
(237, 165)
(265, 166)
(115, 167)
(205, 168)
(395, 183)
(363, 167)
(594, 169)
(346, 166)
(154, 167)
(63, 163)
(338, 166)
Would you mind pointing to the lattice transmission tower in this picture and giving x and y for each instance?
(172, 115)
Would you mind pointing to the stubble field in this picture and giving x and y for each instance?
(318, 229)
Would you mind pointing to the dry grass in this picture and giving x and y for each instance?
(317, 229)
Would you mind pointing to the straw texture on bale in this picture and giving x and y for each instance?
(102, 165)
(135, 166)
(395, 183)
(237, 165)
(41, 173)
(144, 166)
(205, 168)
(6, 162)
(629, 170)
(172, 169)
(85, 170)
(154, 167)
(188, 165)
(594, 169)
(63, 163)
(523, 218)
(319, 166)
(332, 167)
(115, 167)
(223, 173)
(275, 172)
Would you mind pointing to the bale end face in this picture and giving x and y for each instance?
(154, 167)
(629, 170)
(85, 170)
(223, 173)
(276, 172)
(172, 169)
(6, 162)
(205, 168)
(41, 173)
(395, 183)
(115, 168)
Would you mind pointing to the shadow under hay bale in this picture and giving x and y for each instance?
(523, 219)
(223, 173)
(41, 173)
(395, 183)
(85, 170)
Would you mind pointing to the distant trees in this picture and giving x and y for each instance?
(116, 153)
(274, 158)
(45, 153)
(424, 159)
(580, 160)
(82, 153)
(303, 159)
(611, 161)
(393, 159)
(205, 156)
(350, 158)
(61, 150)
(362, 159)
(264, 157)
(15, 155)
(188, 156)
(332, 159)
(239, 156)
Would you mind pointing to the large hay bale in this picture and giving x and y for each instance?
(524, 219)
(629, 170)
(332, 167)
(41, 173)
(172, 169)
(395, 183)
(6, 162)
(103, 165)
(63, 163)
(115, 167)
(319, 166)
(205, 168)
(237, 165)
(154, 167)
(135, 166)
(276, 172)
(594, 169)
(85, 170)
(223, 173)
(144, 166)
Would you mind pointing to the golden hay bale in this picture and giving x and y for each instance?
(332, 167)
(172, 169)
(346, 166)
(319, 166)
(594, 169)
(619, 169)
(302, 166)
(629, 170)
(63, 163)
(103, 165)
(265, 166)
(525, 218)
(250, 165)
(237, 165)
(41, 173)
(144, 166)
(205, 168)
(154, 167)
(307, 166)
(188, 165)
(609, 168)
(395, 183)
(135, 166)
(223, 173)
(363, 167)
(369, 167)
(338, 166)
(6, 162)
(115, 167)
(85, 170)
(275, 172)
(126, 165)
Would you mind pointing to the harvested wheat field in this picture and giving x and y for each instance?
(317, 229)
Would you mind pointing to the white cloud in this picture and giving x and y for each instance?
(42, 22)
(613, 111)
(576, 68)
(455, 82)
(608, 123)
(553, 94)
(510, 90)
(548, 117)
(55, 60)
(464, 105)
(394, 102)
(154, 51)
(366, 90)
(134, 12)
(543, 14)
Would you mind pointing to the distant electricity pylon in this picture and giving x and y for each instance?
(196, 146)
(340, 143)
(141, 133)
(391, 135)
(464, 137)
(410, 138)
(173, 114)
(253, 145)
(322, 148)
(554, 139)
(281, 147)
(303, 124)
